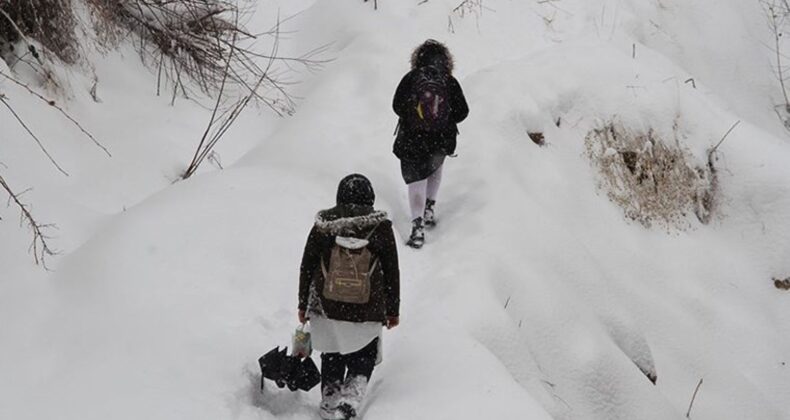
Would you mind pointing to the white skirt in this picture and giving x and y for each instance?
(333, 336)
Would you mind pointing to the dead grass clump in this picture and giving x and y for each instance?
(654, 184)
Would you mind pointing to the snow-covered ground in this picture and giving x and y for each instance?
(534, 298)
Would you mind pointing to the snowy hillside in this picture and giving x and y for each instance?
(534, 298)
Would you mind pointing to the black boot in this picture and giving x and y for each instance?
(417, 238)
(430, 216)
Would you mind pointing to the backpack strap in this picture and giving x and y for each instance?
(375, 260)
(367, 237)
(323, 269)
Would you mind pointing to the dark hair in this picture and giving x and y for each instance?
(355, 189)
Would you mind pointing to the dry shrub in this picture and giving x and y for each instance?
(654, 183)
(198, 40)
(49, 22)
(192, 45)
(469, 7)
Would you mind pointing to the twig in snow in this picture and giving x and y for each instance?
(777, 13)
(507, 302)
(688, 413)
(725, 137)
(61, 110)
(708, 198)
(39, 246)
(776, 20)
(215, 159)
(195, 161)
(218, 126)
(21, 122)
(468, 6)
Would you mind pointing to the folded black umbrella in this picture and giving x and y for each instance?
(271, 364)
(307, 375)
(290, 371)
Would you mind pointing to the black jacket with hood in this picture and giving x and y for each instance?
(353, 217)
(411, 143)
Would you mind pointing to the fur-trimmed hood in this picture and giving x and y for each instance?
(432, 52)
(349, 220)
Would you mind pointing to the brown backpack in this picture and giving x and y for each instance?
(348, 277)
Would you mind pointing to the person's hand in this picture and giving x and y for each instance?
(302, 316)
(392, 322)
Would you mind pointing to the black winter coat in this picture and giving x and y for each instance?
(351, 221)
(415, 145)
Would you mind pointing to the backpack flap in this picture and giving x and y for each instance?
(347, 279)
(350, 266)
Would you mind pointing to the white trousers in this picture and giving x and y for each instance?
(419, 191)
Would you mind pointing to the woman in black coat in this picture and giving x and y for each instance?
(429, 103)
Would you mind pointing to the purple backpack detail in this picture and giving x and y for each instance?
(431, 100)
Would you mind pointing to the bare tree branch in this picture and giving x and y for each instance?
(200, 40)
(777, 13)
(61, 110)
(52, 23)
(693, 397)
(39, 246)
(725, 136)
(217, 127)
(21, 122)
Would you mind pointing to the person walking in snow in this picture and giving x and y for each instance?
(429, 103)
(349, 287)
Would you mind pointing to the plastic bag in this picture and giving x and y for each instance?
(302, 346)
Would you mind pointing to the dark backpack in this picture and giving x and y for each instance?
(430, 99)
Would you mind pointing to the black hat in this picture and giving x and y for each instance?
(355, 189)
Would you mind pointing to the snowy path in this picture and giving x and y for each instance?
(532, 296)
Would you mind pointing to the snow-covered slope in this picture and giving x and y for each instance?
(534, 297)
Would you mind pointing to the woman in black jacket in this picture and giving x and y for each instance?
(430, 104)
(348, 332)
